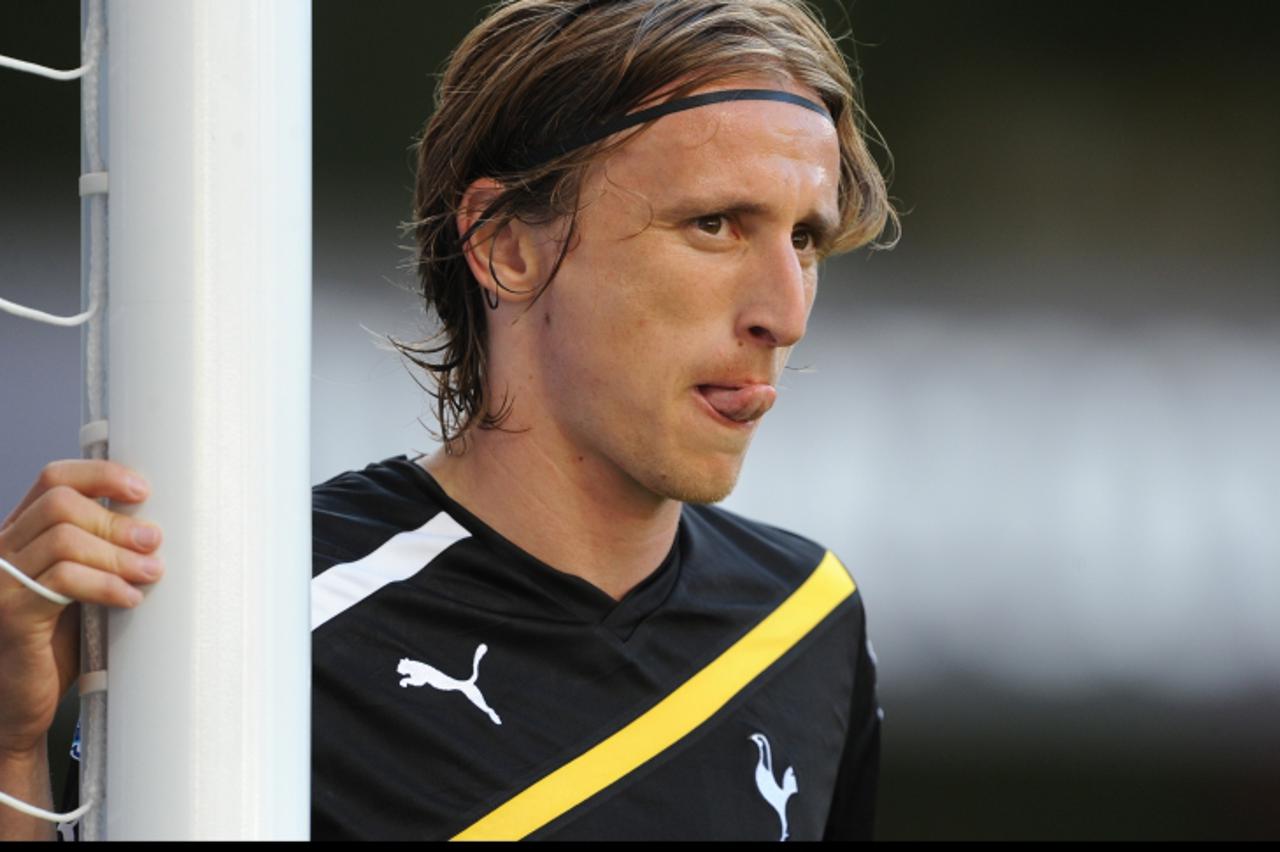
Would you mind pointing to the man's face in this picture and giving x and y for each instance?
(691, 278)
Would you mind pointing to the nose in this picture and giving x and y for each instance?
(775, 307)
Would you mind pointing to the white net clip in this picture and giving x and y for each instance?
(91, 682)
(93, 433)
(93, 183)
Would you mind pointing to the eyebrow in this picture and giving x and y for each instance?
(823, 225)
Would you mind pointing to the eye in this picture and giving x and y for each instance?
(802, 239)
(713, 224)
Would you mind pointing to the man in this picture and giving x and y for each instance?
(542, 630)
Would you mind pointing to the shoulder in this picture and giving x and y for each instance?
(721, 535)
(395, 478)
(750, 563)
(356, 512)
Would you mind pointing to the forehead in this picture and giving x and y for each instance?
(764, 149)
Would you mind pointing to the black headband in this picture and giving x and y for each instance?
(623, 122)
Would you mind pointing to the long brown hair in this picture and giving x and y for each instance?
(536, 72)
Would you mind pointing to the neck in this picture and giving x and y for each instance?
(577, 514)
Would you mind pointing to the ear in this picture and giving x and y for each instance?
(507, 259)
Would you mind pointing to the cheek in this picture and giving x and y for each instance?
(629, 319)
(588, 339)
(641, 297)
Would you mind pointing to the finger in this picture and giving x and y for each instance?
(88, 585)
(91, 477)
(68, 543)
(23, 580)
(62, 504)
(20, 606)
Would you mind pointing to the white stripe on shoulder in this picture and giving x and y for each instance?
(399, 558)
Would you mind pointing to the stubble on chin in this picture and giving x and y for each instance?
(691, 485)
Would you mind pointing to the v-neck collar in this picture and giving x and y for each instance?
(579, 598)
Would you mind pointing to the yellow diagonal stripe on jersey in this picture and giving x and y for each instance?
(673, 718)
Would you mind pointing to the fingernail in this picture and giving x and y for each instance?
(146, 536)
(151, 568)
(137, 488)
(134, 596)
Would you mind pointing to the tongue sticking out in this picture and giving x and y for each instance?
(740, 404)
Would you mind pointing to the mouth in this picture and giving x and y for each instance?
(739, 406)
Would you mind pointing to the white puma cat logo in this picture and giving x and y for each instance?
(420, 674)
(774, 793)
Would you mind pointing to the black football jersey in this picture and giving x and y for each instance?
(464, 689)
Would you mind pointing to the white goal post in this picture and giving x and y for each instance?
(208, 152)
